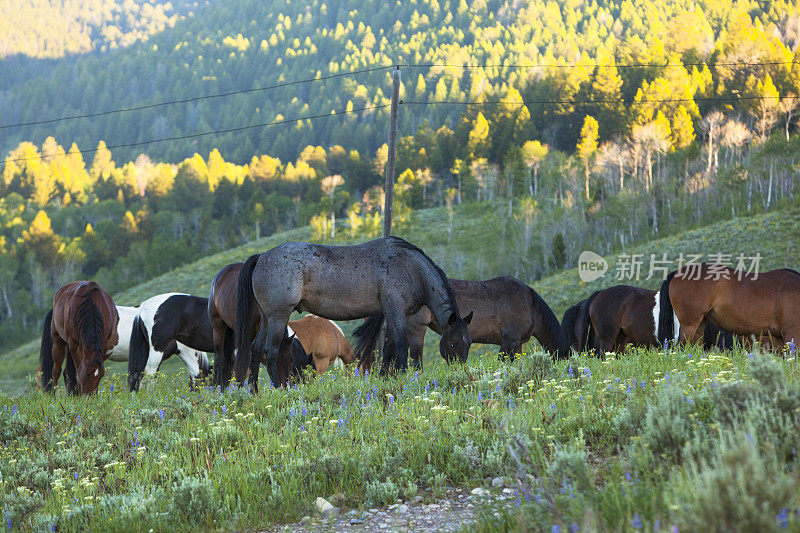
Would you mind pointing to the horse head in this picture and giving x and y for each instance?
(456, 341)
(90, 371)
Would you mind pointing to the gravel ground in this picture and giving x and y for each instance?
(452, 511)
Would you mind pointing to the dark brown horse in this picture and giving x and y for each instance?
(763, 305)
(617, 316)
(506, 312)
(221, 310)
(81, 328)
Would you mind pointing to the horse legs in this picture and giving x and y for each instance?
(396, 344)
(692, 331)
(70, 372)
(59, 352)
(273, 336)
(416, 341)
(223, 362)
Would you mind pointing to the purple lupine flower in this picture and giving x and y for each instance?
(161, 414)
(636, 523)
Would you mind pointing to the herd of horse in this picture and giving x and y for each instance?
(400, 292)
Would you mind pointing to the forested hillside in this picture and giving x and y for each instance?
(235, 45)
(631, 151)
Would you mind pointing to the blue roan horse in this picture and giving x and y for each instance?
(385, 277)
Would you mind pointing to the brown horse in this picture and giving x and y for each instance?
(506, 313)
(763, 305)
(81, 328)
(323, 340)
(612, 318)
(292, 358)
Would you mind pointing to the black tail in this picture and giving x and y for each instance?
(244, 311)
(366, 338)
(552, 338)
(138, 353)
(46, 355)
(224, 365)
(666, 322)
(586, 340)
(568, 324)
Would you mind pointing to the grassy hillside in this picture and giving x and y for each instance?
(473, 254)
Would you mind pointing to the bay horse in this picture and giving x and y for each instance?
(220, 308)
(506, 313)
(384, 279)
(166, 325)
(762, 305)
(81, 328)
(612, 318)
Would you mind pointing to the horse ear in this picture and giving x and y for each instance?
(468, 318)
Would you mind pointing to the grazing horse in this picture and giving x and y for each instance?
(572, 324)
(763, 305)
(165, 325)
(385, 278)
(323, 340)
(221, 315)
(506, 313)
(81, 328)
(613, 317)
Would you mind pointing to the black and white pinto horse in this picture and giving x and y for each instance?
(178, 323)
(163, 326)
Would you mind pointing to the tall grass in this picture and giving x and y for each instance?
(581, 440)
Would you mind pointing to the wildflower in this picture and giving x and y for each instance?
(587, 372)
(355, 372)
(791, 346)
(783, 518)
(555, 529)
(225, 409)
(480, 396)
(636, 523)
(161, 414)
(569, 371)
(574, 527)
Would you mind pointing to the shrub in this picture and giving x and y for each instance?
(737, 489)
(667, 427)
(193, 499)
(382, 492)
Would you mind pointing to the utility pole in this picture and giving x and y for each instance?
(388, 189)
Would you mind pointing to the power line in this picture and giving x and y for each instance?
(205, 133)
(373, 69)
(386, 67)
(192, 99)
(626, 101)
(600, 65)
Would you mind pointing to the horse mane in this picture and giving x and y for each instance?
(793, 271)
(402, 243)
(553, 326)
(89, 321)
